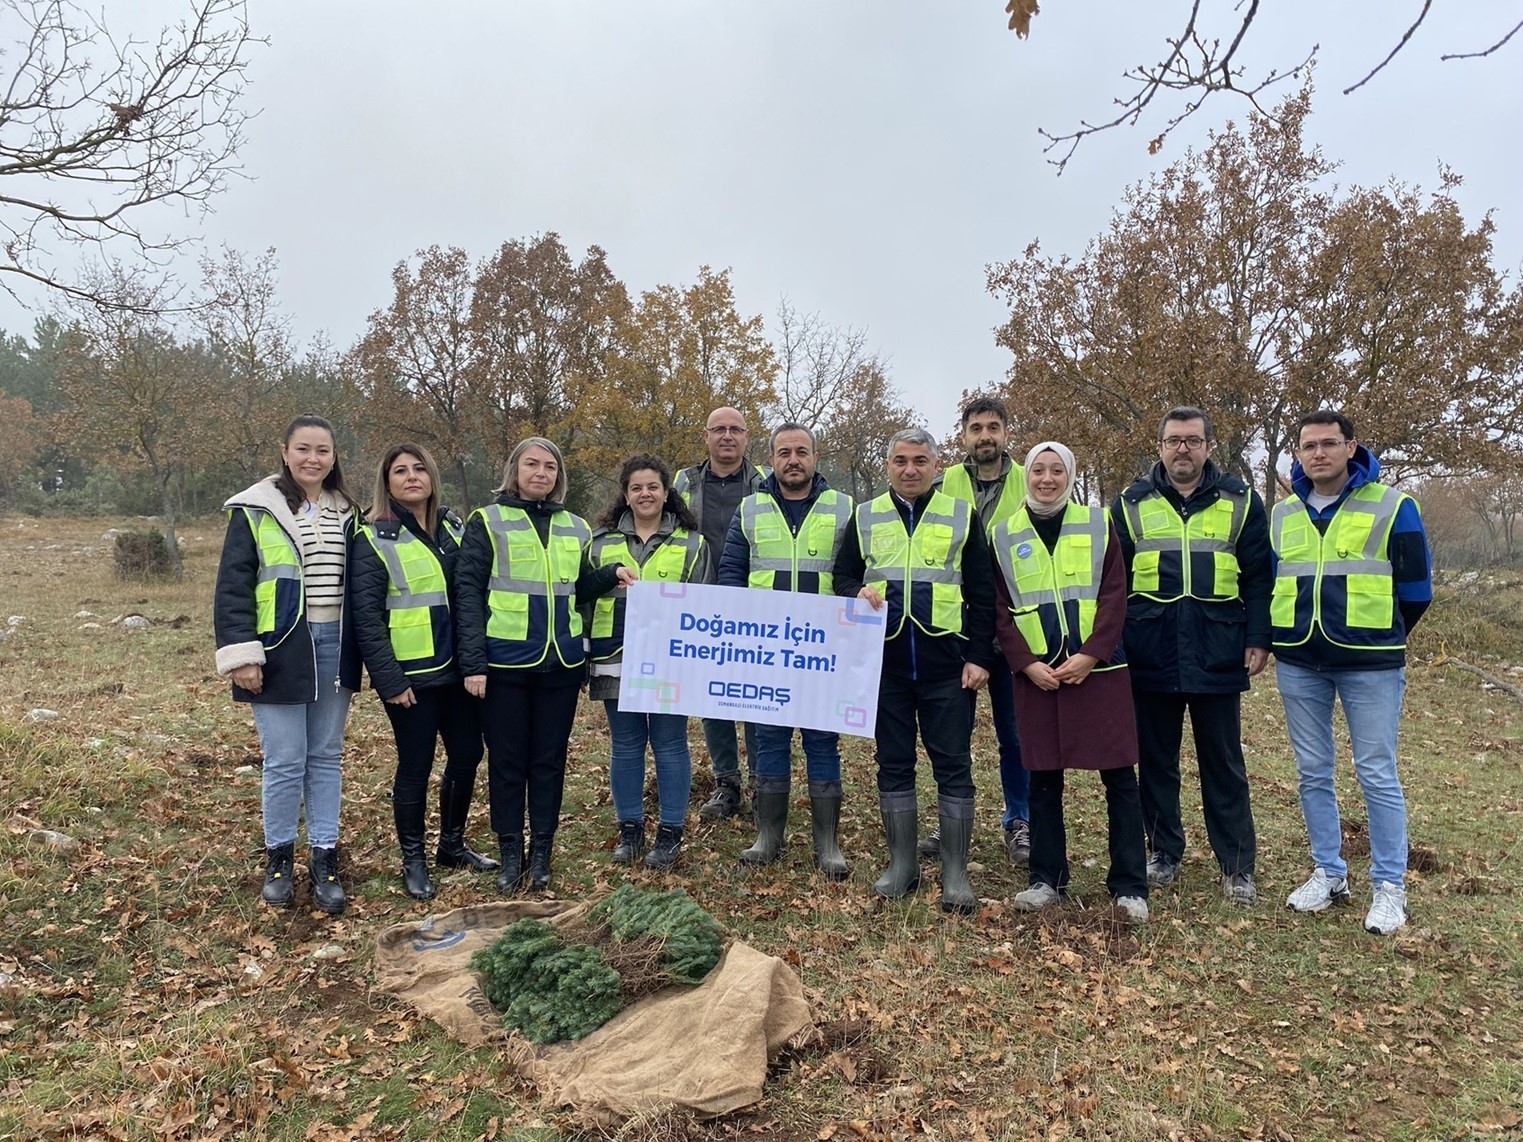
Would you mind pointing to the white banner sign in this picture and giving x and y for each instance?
(775, 657)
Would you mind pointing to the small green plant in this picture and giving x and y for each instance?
(546, 988)
(142, 553)
(688, 937)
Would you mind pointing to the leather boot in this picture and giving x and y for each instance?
(454, 808)
(408, 816)
(771, 807)
(278, 875)
(825, 821)
(725, 802)
(327, 892)
(956, 835)
(668, 847)
(631, 846)
(510, 873)
(539, 861)
(900, 828)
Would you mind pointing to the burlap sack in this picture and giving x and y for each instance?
(703, 1049)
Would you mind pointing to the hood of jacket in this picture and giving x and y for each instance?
(1363, 468)
(265, 496)
(1157, 479)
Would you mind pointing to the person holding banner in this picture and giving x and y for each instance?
(647, 526)
(522, 569)
(924, 554)
(402, 563)
(785, 538)
(1062, 590)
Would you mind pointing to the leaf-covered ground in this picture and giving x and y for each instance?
(145, 992)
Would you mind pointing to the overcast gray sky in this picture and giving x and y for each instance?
(865, 158)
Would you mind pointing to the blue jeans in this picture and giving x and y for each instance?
(1372, 705)
(303, 747)
(667, 736)
(1013, 778)
(774, 753)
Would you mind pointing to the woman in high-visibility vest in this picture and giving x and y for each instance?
(650, 526)
(1061, 603)
(522, 571)
(402, 564)
(279, 619)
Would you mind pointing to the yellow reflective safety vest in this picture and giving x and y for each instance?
(1340, 581)
(924, 566)
(1177, 557)
(688, 483)
(783, 561)
(957, 482)
(417, 597)
(532, 589)
(280, 592)
(1054, 595)
(671, 561)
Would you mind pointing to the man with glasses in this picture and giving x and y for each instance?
(1351, 580)
(1196, 544)
(714, 489)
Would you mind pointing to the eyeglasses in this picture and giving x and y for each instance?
(1174, 443)
(727, 430)
(1309, 447)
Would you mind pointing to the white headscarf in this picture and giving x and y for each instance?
(1058, 506)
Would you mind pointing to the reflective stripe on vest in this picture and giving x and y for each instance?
(1175, 557)
(928, 562)
(280, 592)
(782, 561)
(671, 562)
(415, 589)
(1338, 581)
(532, 587)
(957, 482)
(1053, 595)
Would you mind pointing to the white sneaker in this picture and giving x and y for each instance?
(1135, 907)
(1388, 911)
(1319, 892)
(1035, 898)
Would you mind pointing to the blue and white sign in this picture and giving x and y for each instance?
(776, 657)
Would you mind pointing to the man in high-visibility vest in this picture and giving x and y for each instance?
(922, 558)
(1195, 541)
(714, 489)
(1352, 577)
(994, 484)
(785, 538)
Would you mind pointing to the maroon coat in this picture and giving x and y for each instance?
(1088, 726)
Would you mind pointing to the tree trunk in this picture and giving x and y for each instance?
(170, 496)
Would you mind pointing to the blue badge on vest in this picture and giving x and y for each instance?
(1023, 551)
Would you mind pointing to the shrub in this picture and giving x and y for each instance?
(545, 988)
(142, 553)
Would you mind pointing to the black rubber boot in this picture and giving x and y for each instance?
(454, 808)
(631, 846)
(408, 816)
(279, 874)
(725, 802)
(327, 892)
(956, 835)
(900, 828)
(825, 821)
(771, 807)
(510, 872)
(667, 849)
(539, 861)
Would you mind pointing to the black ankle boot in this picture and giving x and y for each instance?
(327, 892)
(631, 846)
(408, 816)
(668, 847)
(454, 808)
(511, 871)
(539, 861)
(278, 874)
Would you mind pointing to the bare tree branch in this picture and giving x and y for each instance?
(1417, 23)
(1482, 54)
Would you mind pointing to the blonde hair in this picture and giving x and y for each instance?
(510, 470)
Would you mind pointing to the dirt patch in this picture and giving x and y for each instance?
(1422, 859)
(107, 689)
(1085, 930)
(1356, 839)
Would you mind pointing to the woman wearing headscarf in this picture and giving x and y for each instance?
(402, 565)
(522, 571)
(650, 526)
(1061, 603)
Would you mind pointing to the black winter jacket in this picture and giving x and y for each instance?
(1189, 646)
(368, 580)
(290, 669)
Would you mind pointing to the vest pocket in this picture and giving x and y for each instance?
(1282, 602)
(509, 617)
(1371, 604)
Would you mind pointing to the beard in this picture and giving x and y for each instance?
(986, 453)
(795, 481)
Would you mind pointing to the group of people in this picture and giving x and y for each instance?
(1094, 630)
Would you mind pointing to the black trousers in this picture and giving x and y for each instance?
(527, 730)
(1216, 721)
(444, 713)
(945, 718)
(1128, 874)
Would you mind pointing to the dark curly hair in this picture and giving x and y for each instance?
(641, 462)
